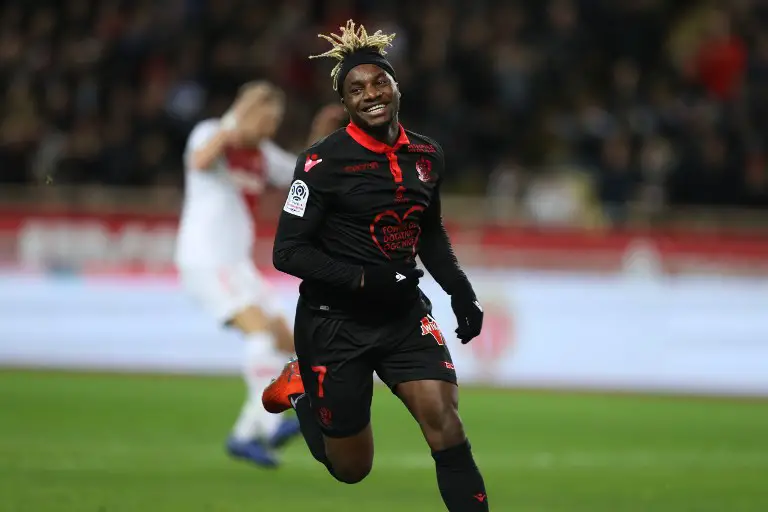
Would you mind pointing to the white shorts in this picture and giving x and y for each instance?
(227, 291)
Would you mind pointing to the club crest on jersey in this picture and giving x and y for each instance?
(312, 160)
(424, 168)
(429, 326)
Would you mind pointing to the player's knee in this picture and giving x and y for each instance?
(442, 427)
(351, 458)
(352, 473)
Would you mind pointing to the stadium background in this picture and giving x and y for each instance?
(607, 190)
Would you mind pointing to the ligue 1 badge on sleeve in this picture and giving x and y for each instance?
(296, 202)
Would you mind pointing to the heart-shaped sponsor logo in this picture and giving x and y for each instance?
(392, 233)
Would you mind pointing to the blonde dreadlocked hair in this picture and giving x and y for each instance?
(350, 40)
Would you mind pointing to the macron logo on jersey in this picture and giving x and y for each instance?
(312, 160)
(399, 277)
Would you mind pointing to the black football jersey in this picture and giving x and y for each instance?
(355, 202)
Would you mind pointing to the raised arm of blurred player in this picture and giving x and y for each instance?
(208, 142)
(280, 163)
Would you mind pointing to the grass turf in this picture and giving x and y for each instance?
(125, 443)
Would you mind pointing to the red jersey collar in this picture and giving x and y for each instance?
(374, 145)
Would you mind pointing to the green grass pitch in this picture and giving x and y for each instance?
(79, 442)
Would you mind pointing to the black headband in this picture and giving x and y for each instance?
(364, 56)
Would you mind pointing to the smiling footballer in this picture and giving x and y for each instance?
(364, 203)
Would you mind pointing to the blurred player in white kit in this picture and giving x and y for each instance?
(228, 163)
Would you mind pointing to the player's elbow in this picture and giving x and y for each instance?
(282, 260)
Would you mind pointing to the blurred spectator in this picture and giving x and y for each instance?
(656, 162)
(504, 189)
(560, 196)
(721, 57)
(708, 174)
(652, 102)
(618, 180)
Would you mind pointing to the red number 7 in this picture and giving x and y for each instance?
(320, 371)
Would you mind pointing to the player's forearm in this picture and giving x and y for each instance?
(326, 121)
(204, 157)
(316, 132)
(436, 253)
(308, 263)
(315, 135)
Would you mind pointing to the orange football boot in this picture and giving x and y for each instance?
(276, 396)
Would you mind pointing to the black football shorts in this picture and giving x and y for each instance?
(337, 358)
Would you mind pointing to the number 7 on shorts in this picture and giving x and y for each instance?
(320, 371)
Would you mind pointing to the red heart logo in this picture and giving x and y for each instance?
(391, 237)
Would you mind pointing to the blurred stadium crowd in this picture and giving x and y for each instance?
(544, 102)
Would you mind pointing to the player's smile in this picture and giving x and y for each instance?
(379, 110)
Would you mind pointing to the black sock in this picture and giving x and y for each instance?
(310, 429)
(459, 480)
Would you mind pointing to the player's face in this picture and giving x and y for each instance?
(371, 97)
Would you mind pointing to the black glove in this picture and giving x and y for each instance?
(391, 279)
(469, 314)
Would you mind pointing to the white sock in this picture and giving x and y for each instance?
(262, 363)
